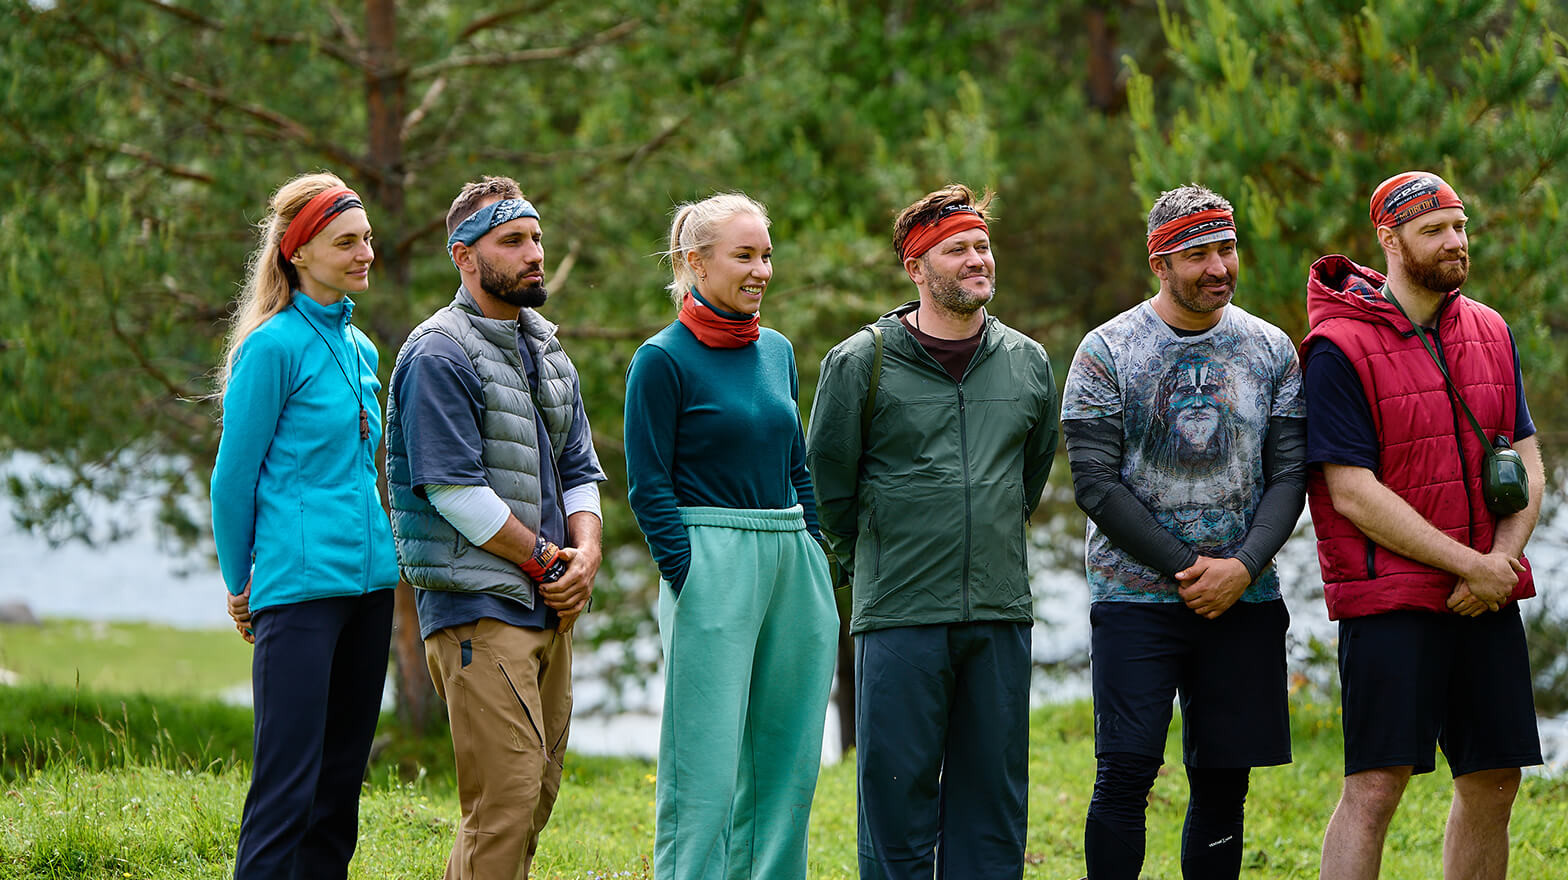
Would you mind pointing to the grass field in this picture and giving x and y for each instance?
(126, 657)
(99, 784)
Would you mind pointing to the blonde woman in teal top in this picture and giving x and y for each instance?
(303, 542)
(716, 468)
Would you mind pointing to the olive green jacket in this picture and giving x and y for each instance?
(927, 511)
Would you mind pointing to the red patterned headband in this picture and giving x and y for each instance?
(315, 216)
(953, 220)
(1203, 227)
(1404, 197)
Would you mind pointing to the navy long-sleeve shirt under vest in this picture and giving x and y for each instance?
(711, 427)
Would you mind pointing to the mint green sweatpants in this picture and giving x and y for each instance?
(748, 660)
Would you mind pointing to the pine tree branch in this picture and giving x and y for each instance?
(426, 104)
(524, 56)
(290, 129)
(501, 17)
(147, 158)
(346, 30)
(326, 47)
(424, 229)
(278, 124)
(175, 390)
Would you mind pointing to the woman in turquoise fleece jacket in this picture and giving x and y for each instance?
(303, 542)
(716, 468)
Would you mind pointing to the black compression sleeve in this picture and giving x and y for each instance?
(1285, 493)
(1094, 452)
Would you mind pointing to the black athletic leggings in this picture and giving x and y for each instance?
(1211, 842)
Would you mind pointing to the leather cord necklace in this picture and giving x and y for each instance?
(359, 390)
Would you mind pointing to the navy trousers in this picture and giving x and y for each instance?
(316, 676)
(942, 750)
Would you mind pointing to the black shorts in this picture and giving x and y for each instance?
(1229, 672)
(1410, 680)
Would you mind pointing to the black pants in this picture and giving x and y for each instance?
(316, 677)
(942, 750)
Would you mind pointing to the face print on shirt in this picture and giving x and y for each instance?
(1192, 427)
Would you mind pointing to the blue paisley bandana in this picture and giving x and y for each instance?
(487, 218)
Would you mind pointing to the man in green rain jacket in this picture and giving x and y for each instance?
(931, 438)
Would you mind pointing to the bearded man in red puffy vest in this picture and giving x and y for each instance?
(1423, 578)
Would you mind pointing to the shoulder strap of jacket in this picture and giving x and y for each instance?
(871, 387)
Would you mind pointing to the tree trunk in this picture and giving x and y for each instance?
(384, 100)
(1106, 93)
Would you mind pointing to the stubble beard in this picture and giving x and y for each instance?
(1194, 299)
(950, 295)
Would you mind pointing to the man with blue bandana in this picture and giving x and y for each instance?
(495, 508)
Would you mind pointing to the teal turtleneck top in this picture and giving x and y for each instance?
(711, 427)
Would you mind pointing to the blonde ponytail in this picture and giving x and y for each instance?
(269, 279)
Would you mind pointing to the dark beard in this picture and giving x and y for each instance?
(1436, 278)
(510, 288)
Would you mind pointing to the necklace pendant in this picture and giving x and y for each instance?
(364, 424)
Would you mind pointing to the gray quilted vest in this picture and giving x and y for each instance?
(431, 553)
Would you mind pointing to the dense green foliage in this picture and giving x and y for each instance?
(142, 138)
(139, 140)
(1296, 110)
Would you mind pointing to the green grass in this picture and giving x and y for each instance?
(126, 657)
(162, 812)
(43, 725)
(142, 775)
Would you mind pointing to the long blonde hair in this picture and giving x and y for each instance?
(696, 230)
(270, 279)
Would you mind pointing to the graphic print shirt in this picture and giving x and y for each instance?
(1195, 411)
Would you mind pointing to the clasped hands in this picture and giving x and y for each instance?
(1487, 585)
(239, 609)
(1211, 585)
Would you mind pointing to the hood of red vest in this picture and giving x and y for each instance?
(1339, 287)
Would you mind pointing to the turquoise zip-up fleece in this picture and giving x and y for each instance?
(294, 497)
(928, 511)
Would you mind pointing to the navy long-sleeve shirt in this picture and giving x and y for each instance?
(442, 408)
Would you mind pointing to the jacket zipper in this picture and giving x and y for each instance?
(364, 505)
(876, 544)
(963, 449)
(963, 456)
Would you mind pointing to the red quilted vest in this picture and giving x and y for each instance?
(1428, 453)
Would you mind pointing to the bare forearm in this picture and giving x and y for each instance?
(514, 542)
(1391, 522)
(584, 530)
(1514, 531)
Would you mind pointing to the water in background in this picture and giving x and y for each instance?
(141, 578)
